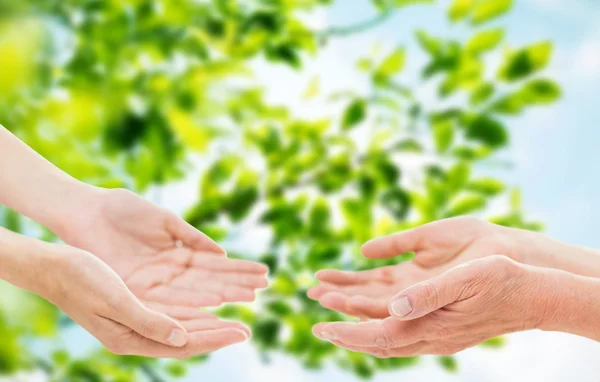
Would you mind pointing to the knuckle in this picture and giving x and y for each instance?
(430, 294)
(384, 339)
(114, 302)
(148, 328)
(380, 353)
(502, 266)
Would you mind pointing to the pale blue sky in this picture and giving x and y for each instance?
(555, 150)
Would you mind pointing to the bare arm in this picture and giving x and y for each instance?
(35, 187)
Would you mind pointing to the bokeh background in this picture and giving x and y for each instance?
(292, 131)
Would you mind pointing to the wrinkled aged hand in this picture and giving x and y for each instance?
(167, 263)
(94, 296)
(458, 309)
(438, 246)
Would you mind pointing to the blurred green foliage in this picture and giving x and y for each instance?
(131, 93)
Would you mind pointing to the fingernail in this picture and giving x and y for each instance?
(331, 336)
(177, 338)
(401, 306)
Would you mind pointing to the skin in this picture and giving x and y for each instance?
(167, 264)
(439, 246)
(93, 295)
(471, 303)
(160, 257)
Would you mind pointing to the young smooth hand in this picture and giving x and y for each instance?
(438, 246)
(166, 262)
(471, 303)
(94, 296)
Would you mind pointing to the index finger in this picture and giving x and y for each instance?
(387, 333)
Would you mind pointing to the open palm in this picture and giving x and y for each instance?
(165, 262)
(438, 246)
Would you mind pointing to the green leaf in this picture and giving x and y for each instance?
(459, 9)
(443, 135)
(409, 145)
(391, 65)
(429, 43)
(396, 201)
(486, 186)
(354, 114)
(458, 176)
(484, 41)
(525, 62)
(465, 205)
(494, 343)
(486, 10)
(535, 92)
(266, 333)
(516, 200)
(481, 94)
(488, 131)
(541, 91)
(176, 369)
(449, 363)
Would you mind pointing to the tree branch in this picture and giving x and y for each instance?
(348, 30)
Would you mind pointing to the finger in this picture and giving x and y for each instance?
(199, 343)
(368, 307)
(148, 323)
(179, 312)
(386, 333)
(229, 293)
(433, 294)
(240, 279)
(318, 291)
(406, 351)
(357, 306)
(192, 237)
(337, 301)
(353, 278)
(223, 264)
(395, 244)
(172, 295)
(210, 324)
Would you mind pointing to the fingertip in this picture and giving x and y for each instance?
(178, 337)
(333, 300)
(317, 329)
(312, 293)
(242, 335)
(401, 307)
(324, 274)
(367, 249)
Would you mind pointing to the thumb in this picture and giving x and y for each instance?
(153, 325)
(431, 295)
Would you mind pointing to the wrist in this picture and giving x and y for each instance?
(527, 247)
(26, 262)
(80, 200)
(569, 303)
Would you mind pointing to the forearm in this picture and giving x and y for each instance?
(33, 186)
(570, 304)
(25, 262)
(541, 251)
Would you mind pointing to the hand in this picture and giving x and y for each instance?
(458, 309)
(438, 246)
(166, 262)
(93, 295)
